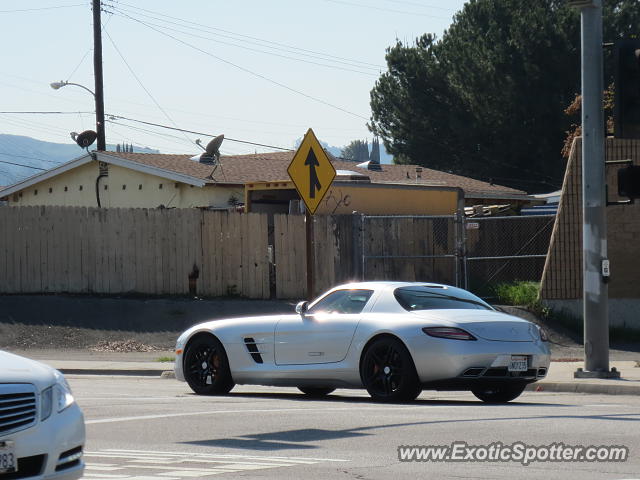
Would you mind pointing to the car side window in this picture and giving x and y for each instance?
(342, 301)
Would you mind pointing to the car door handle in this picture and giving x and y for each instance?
(316, 354)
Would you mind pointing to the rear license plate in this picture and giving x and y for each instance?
(8, 460)
(518, 363)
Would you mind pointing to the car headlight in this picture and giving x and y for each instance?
(58, 396)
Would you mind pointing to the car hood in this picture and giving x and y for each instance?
(486, 324)
(17, 369)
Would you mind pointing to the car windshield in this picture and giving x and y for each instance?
(424, 297)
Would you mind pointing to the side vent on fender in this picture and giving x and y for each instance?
(252, 347)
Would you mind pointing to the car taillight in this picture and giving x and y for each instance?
(543, 335)
(448, 332)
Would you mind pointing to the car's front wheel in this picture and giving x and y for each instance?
(501, 393)
(388, 372)
(316, 392)
(206, 367)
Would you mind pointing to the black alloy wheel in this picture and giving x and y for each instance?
(499, 393)
(388, 372)
(316, 392)
(206, 368)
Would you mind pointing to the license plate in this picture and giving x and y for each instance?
(8, 460)
(518, 363)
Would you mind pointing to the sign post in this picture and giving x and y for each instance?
(311, 172)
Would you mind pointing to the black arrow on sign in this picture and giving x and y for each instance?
(314, 183)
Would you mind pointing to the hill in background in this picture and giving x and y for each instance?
(29, 152)
(17, 149)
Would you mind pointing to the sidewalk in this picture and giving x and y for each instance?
(559, 379)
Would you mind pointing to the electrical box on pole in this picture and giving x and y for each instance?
(626, 112)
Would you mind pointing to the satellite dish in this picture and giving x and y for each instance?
(213, 147)
(84, 139)
(211, 153)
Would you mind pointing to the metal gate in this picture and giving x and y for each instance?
(412, 248)
(505, 249)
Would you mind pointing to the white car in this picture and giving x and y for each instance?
(41, 427)
(392, 338)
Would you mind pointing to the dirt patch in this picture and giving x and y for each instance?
(126, 346)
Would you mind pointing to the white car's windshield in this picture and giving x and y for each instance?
(424, 297)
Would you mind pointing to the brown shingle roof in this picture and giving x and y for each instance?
(266, 167)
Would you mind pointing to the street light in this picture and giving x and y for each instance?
(99, 111)
(62, 83)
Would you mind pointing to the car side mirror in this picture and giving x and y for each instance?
(301, 307)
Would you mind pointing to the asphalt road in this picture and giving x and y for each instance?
(150, 428)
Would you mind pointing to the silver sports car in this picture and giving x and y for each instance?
(394, 339)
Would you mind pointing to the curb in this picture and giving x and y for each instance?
(574, 387)
(566, 387)
(112, 372)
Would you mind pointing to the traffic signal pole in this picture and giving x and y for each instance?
(594, 226)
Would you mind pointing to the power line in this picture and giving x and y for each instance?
(385, 9)
(422, 5)
(22, 165)
(28, 157)
(141, 84)
(200, 133)
(43, 8)
(261, 41)
(45, 113)
(246, 70)
(287, 57)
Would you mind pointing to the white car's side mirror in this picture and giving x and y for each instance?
(301, 307)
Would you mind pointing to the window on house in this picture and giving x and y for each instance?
(50, 190)
(20, 195)
(160, 186)
(106, 187)
(177, 185)
(66, 189)
(124, 187)
(35, 192)
(80, 188)
(140, 187)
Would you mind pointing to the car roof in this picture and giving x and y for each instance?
(380, 285)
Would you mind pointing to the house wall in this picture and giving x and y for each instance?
(121, 188)
(392, 199)
(562, 278)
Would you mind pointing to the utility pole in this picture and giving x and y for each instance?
(97, 73)
(594, 222)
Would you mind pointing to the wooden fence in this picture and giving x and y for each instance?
(123, 251)
(210, 253)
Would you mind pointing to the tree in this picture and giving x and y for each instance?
(488, 99)
(356, 151)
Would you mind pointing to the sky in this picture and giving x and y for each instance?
(253, 70)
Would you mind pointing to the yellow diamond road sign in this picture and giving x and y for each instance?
(311, 171)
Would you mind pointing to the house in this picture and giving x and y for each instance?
(145, 180)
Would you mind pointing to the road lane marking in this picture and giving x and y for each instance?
(138, 464)
(268, 410)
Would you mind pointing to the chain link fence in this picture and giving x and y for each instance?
(412, 248)
(505, 249)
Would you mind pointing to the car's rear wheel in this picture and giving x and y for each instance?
(500, 393)
(206, 367)
(388, 373)
(316, 392)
